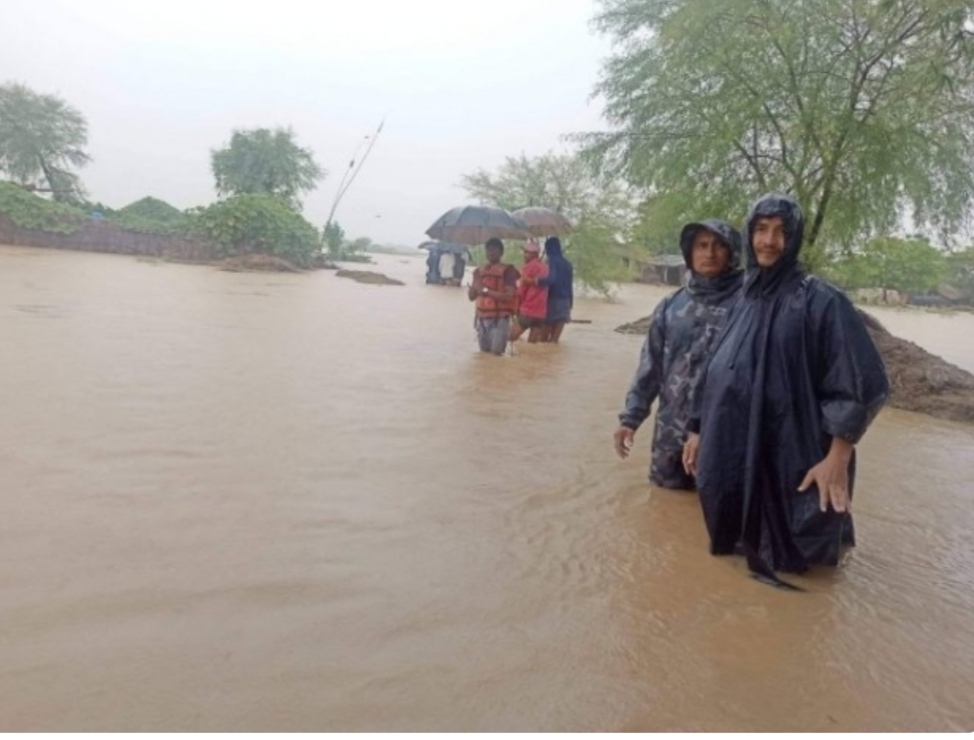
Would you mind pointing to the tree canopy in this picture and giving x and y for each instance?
(265, 161)
(42, 141)
(862, 109)
(600, 208)
(333, 237)
(907, 265)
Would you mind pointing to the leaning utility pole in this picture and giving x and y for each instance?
(352, 172)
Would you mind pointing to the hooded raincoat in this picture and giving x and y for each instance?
(560, 282)
(793, 368)
(682, 332)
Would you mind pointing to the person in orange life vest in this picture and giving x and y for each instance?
(532, 299)
(494, 289)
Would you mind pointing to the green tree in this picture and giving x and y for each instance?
(907, 265)
(265, 161)
(355, 250)
(859, 108)
(600, 208)
(960, 272)
(42, 140)
(342, 249)
(257, 224)
(333, 237)
(359, 244)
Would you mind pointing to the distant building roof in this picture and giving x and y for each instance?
(667, 260)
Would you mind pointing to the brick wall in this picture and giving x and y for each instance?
(99, 236)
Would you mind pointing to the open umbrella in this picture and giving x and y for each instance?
(477, 224)
(544, 221)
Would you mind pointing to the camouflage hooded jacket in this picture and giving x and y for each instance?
(682, 332)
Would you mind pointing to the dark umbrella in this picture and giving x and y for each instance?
(477, 224)
(544, 221)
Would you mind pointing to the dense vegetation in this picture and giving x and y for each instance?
(862, 109)
(599, 208)
(30, 211)
(247, 224)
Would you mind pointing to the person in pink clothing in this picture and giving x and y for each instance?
(532, 299)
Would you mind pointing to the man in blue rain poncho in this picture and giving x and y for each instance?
(791, 387)
(682, 330)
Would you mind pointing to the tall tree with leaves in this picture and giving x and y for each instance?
(265, 161)
(600, 208)
(859, 108)
(906, 265)
(42, 140)
(333, 238)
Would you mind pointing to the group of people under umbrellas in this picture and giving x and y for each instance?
(766, 378)
(538, 298)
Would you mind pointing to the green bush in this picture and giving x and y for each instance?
(30, 211)
(960, 267)
(257, 224)
(149, 216)
(131, 222)
(154, 209)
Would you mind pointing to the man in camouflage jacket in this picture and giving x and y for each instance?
(682, 332)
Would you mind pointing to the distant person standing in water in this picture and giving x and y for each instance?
(561, 294)
(532, 298)
(494, 289)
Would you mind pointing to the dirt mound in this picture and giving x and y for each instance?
(257, 263)
(924, 382)
(920, 381)
(370, 278)
(639, 326)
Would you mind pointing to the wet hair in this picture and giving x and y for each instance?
(494, 243)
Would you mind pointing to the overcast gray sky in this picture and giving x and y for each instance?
(161, 83)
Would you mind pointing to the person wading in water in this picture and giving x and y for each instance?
(682, 331)
(494, 290)
(532, 299)
(793, 383)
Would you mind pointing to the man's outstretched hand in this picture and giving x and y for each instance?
(623, 440)
(832, 478)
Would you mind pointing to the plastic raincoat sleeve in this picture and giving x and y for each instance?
(649, 375)
(551, 278)
(853, 384)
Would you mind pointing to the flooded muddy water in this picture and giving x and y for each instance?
(294, 502)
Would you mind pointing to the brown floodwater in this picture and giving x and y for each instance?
(294, 502)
